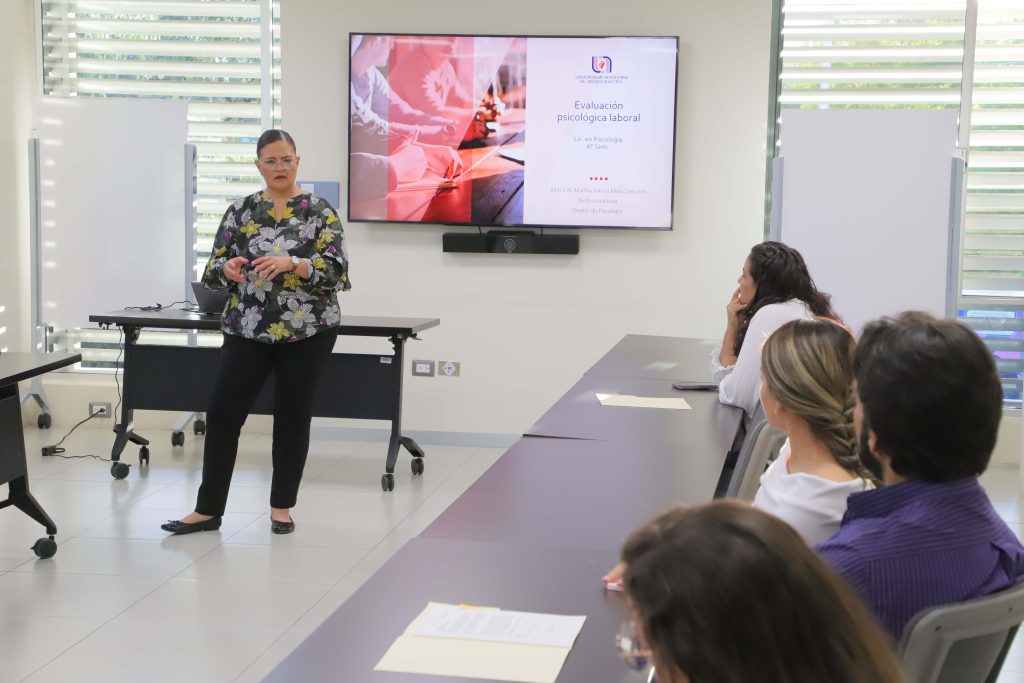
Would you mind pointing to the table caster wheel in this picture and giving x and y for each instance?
(45, 548)
(144, 454)
(177, 438)
(119, 470)
(417, 466)
(43, 421)
(387, 482)
(199, 427)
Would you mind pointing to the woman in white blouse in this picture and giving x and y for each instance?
(807, 392)
(774, 288)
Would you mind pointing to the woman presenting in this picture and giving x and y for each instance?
(281, 254)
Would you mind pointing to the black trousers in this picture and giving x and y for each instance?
(244, 367)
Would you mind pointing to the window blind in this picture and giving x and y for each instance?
(872, 53)
(207, 52)
(909, 54)
(993, 258)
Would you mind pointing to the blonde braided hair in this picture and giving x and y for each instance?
(807, 366)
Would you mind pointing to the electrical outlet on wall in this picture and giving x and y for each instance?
(423, 368)
(449, 368)
(102, 408)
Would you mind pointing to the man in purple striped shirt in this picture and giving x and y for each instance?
(928, 409)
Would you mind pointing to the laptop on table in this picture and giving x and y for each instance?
(210, 301)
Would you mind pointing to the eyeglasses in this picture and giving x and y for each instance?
(283, 162)
(631, 646)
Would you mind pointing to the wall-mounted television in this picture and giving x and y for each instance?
(524, 131)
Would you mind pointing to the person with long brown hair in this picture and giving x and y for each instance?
(726, 593)
(807, 392)
(774, 288)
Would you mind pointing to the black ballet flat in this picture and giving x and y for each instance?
(282, 527)
(177, 527)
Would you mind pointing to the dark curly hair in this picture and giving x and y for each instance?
(780, 274)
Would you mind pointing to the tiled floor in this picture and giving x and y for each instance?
(123, 601)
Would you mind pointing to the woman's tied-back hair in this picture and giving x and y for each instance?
(807, 365)
(274, 135)
(780, 274)
(726, 593)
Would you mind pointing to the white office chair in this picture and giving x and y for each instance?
(760, 447)
(966, 641)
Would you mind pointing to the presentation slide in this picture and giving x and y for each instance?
(512, 131)
(601, 118)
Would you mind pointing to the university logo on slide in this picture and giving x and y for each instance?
(601, 65)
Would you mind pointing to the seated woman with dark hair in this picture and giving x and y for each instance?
(774, 288)
(727, 593)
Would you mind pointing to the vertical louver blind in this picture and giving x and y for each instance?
(993, 260)
(910, 54)
(207, 52)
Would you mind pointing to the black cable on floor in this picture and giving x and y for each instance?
(56, 449)
(117, 361)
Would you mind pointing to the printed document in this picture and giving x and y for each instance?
(627, 401)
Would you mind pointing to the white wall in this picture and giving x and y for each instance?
(526, 327)
(18, 83)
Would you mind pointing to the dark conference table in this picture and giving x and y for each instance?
(16, 367)
(569, 493)
(654, 357)
(708, 427)
(163, 377)
(645, 365)
(349, 644)
(539, 529)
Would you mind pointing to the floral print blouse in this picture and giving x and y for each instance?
(288, 307)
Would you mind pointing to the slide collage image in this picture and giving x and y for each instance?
(438, 130)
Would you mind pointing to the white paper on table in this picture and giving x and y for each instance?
(496, 661)
(522, 628)
(628, 401)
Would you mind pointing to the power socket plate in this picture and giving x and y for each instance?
(102, 408)
(423, 368)
(449, 368)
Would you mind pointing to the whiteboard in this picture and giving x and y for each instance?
(865, 197)
(111, 185)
